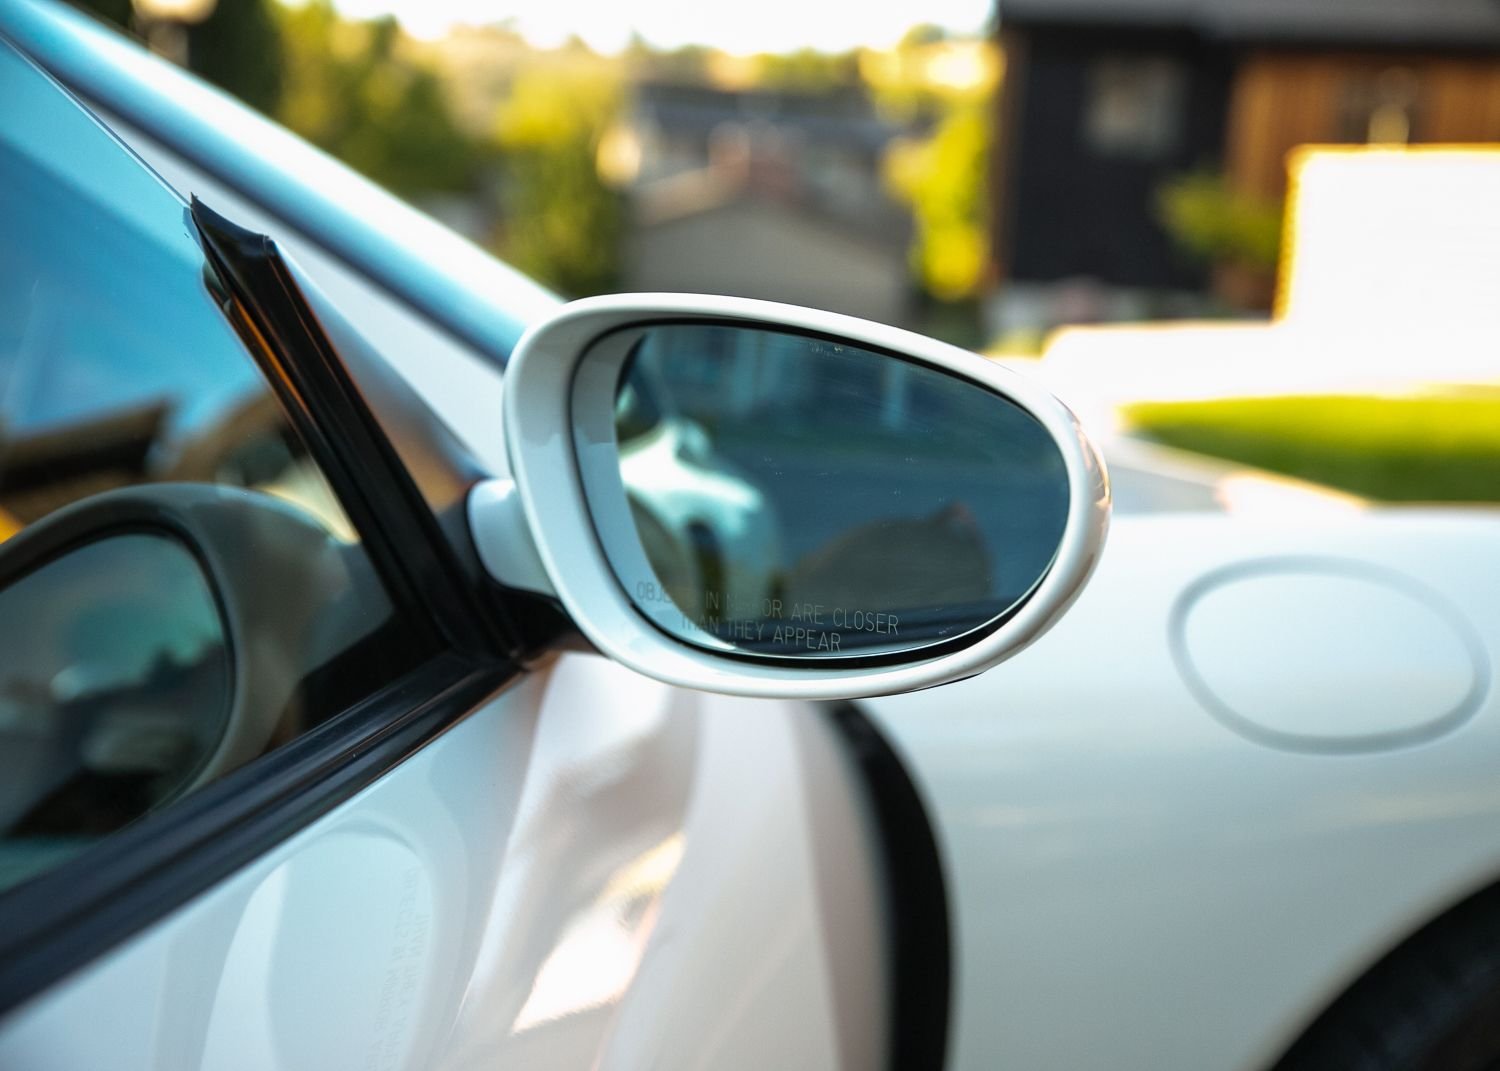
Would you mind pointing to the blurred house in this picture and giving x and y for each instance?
(1387, 287)
(1104, 100)
(765, 194)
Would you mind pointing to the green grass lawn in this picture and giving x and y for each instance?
(1429, 448)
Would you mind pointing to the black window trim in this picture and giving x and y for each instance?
(75, 913)
(314, 385)
(69, 916)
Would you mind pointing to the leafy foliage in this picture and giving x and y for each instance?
(1427, 448)
(237, 47)
(942, 179)
(808, 71)
(948, 87)
(562, 224)
(117, 12)
(522, 130)
(351, 90)
(1208, 219)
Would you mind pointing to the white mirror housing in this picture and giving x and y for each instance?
(563, 524)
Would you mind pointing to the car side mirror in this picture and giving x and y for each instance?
(759, 499)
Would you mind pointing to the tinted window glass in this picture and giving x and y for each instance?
(118, 368)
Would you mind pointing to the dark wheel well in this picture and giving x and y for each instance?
(1430, 1004)
(921, 966)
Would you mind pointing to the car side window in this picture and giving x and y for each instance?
(123, 674)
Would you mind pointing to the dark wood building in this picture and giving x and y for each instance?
(1104, 100)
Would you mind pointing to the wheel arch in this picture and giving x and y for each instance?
(1412, 958)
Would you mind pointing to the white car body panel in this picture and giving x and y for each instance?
(1136, 885)
(593, 870)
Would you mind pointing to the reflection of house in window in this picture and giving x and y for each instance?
(44, 470)
(765, 193)
(1134, 106)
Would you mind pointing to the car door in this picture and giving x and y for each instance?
(278, 790)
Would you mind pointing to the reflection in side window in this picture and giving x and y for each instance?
(116, 368)
(119, 368)
(114, 694)
(111, 378)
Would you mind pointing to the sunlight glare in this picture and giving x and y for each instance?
(769, 26)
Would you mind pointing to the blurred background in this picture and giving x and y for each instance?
(1238, 236)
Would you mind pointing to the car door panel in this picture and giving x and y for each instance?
(591, 870)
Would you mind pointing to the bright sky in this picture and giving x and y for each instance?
(733, 25)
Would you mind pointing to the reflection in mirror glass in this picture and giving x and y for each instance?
(776, 494)
(114, 693)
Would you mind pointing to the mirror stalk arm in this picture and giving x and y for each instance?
(503, 537)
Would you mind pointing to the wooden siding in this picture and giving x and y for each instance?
(1282, 99)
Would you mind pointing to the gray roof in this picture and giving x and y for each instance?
(1466, 23)
(846, 118)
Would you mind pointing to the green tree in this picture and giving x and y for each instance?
(562, 223)
(1204, 216)
(118, 12)
(808, 70)
(686, 65)
(898, 79)
(351, 89)
(238, 48)
(942, 180)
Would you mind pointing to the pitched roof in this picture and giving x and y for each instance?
(1467, 23)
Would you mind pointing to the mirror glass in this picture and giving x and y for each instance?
(775, 494)
(114, 692)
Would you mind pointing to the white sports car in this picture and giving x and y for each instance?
(353, 714)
